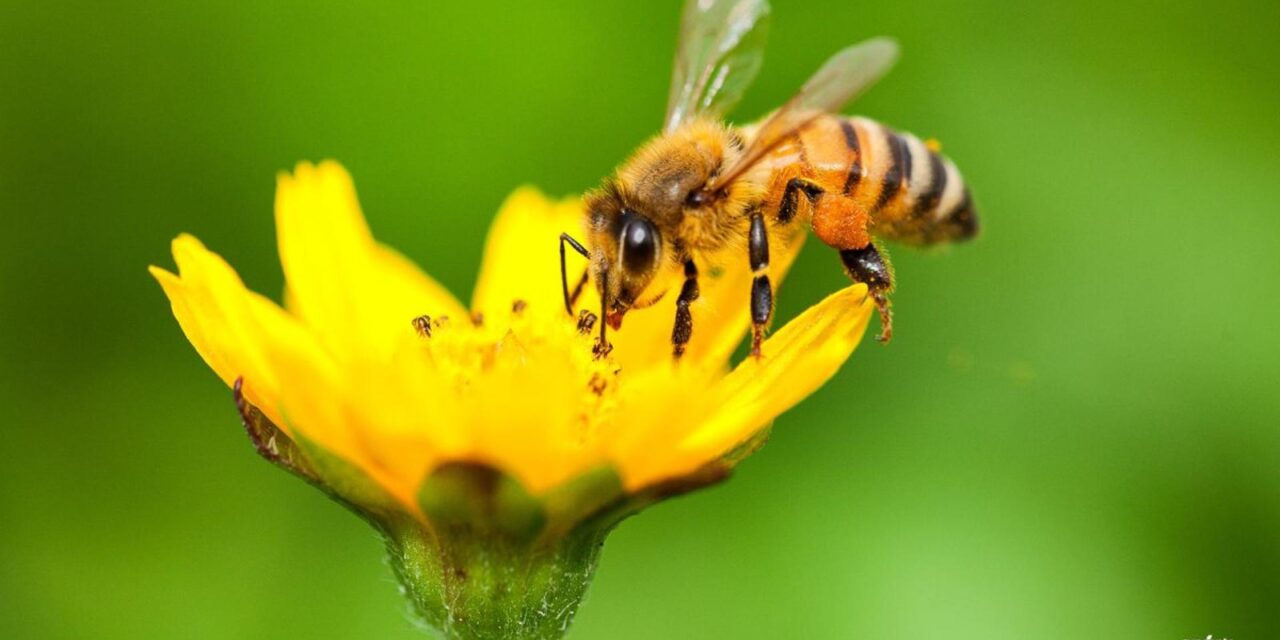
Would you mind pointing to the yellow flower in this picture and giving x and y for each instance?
(508, 383)
(517, 388)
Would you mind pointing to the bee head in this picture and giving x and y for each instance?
(627, 252)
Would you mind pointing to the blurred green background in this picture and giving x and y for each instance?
(1075, 433)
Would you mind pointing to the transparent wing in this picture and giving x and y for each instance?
(844, 77)
(721, 47)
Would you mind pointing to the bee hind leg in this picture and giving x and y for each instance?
(842, 224)
(869, 266)
(683, 328)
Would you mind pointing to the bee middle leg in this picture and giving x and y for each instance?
(761, 290)
(683, 328)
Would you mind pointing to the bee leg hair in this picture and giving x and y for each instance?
(761, 290)
(869, 266)
(683, 329)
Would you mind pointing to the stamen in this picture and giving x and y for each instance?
(598, 384)
(518, 307)
(601, 349)
(586, 321)
(422, 324)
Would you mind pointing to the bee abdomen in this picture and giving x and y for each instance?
(912, 192)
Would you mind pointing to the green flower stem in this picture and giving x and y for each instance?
(472, 586)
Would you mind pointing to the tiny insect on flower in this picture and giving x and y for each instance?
(374, 383)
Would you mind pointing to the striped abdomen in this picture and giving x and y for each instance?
(909, 192)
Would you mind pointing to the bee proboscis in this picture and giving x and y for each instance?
(702, 186)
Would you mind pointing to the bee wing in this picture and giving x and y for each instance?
(720, 51)
(844, 77)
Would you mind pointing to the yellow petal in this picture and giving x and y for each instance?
(193, 326)
(797, 360)
(405, 413)
(242, 334)
(357, 295)
(332, 412)
(522, 258)
(658, 409)
(534, 414)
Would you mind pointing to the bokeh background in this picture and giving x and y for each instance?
(1075, 433)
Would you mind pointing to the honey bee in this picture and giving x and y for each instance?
(702, 186)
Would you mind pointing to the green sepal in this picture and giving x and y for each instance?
(494, 561)
(469, 585)
(583, 497)
(273, 445)
(748, 447)
(347, 484)
(632, 503)
(480, 498)
(331, 474)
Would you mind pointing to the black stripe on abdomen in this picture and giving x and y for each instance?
(932, 195)
(855, 167)
(899, 166)
(961, 222)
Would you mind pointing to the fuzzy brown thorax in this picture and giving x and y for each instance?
(653, 193)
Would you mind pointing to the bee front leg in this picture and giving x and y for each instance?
(761, 290)
(870, 267)
(571, 299)
(683, 329)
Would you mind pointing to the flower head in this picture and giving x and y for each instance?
(377, 384)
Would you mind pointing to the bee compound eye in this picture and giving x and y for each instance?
(639, 245)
